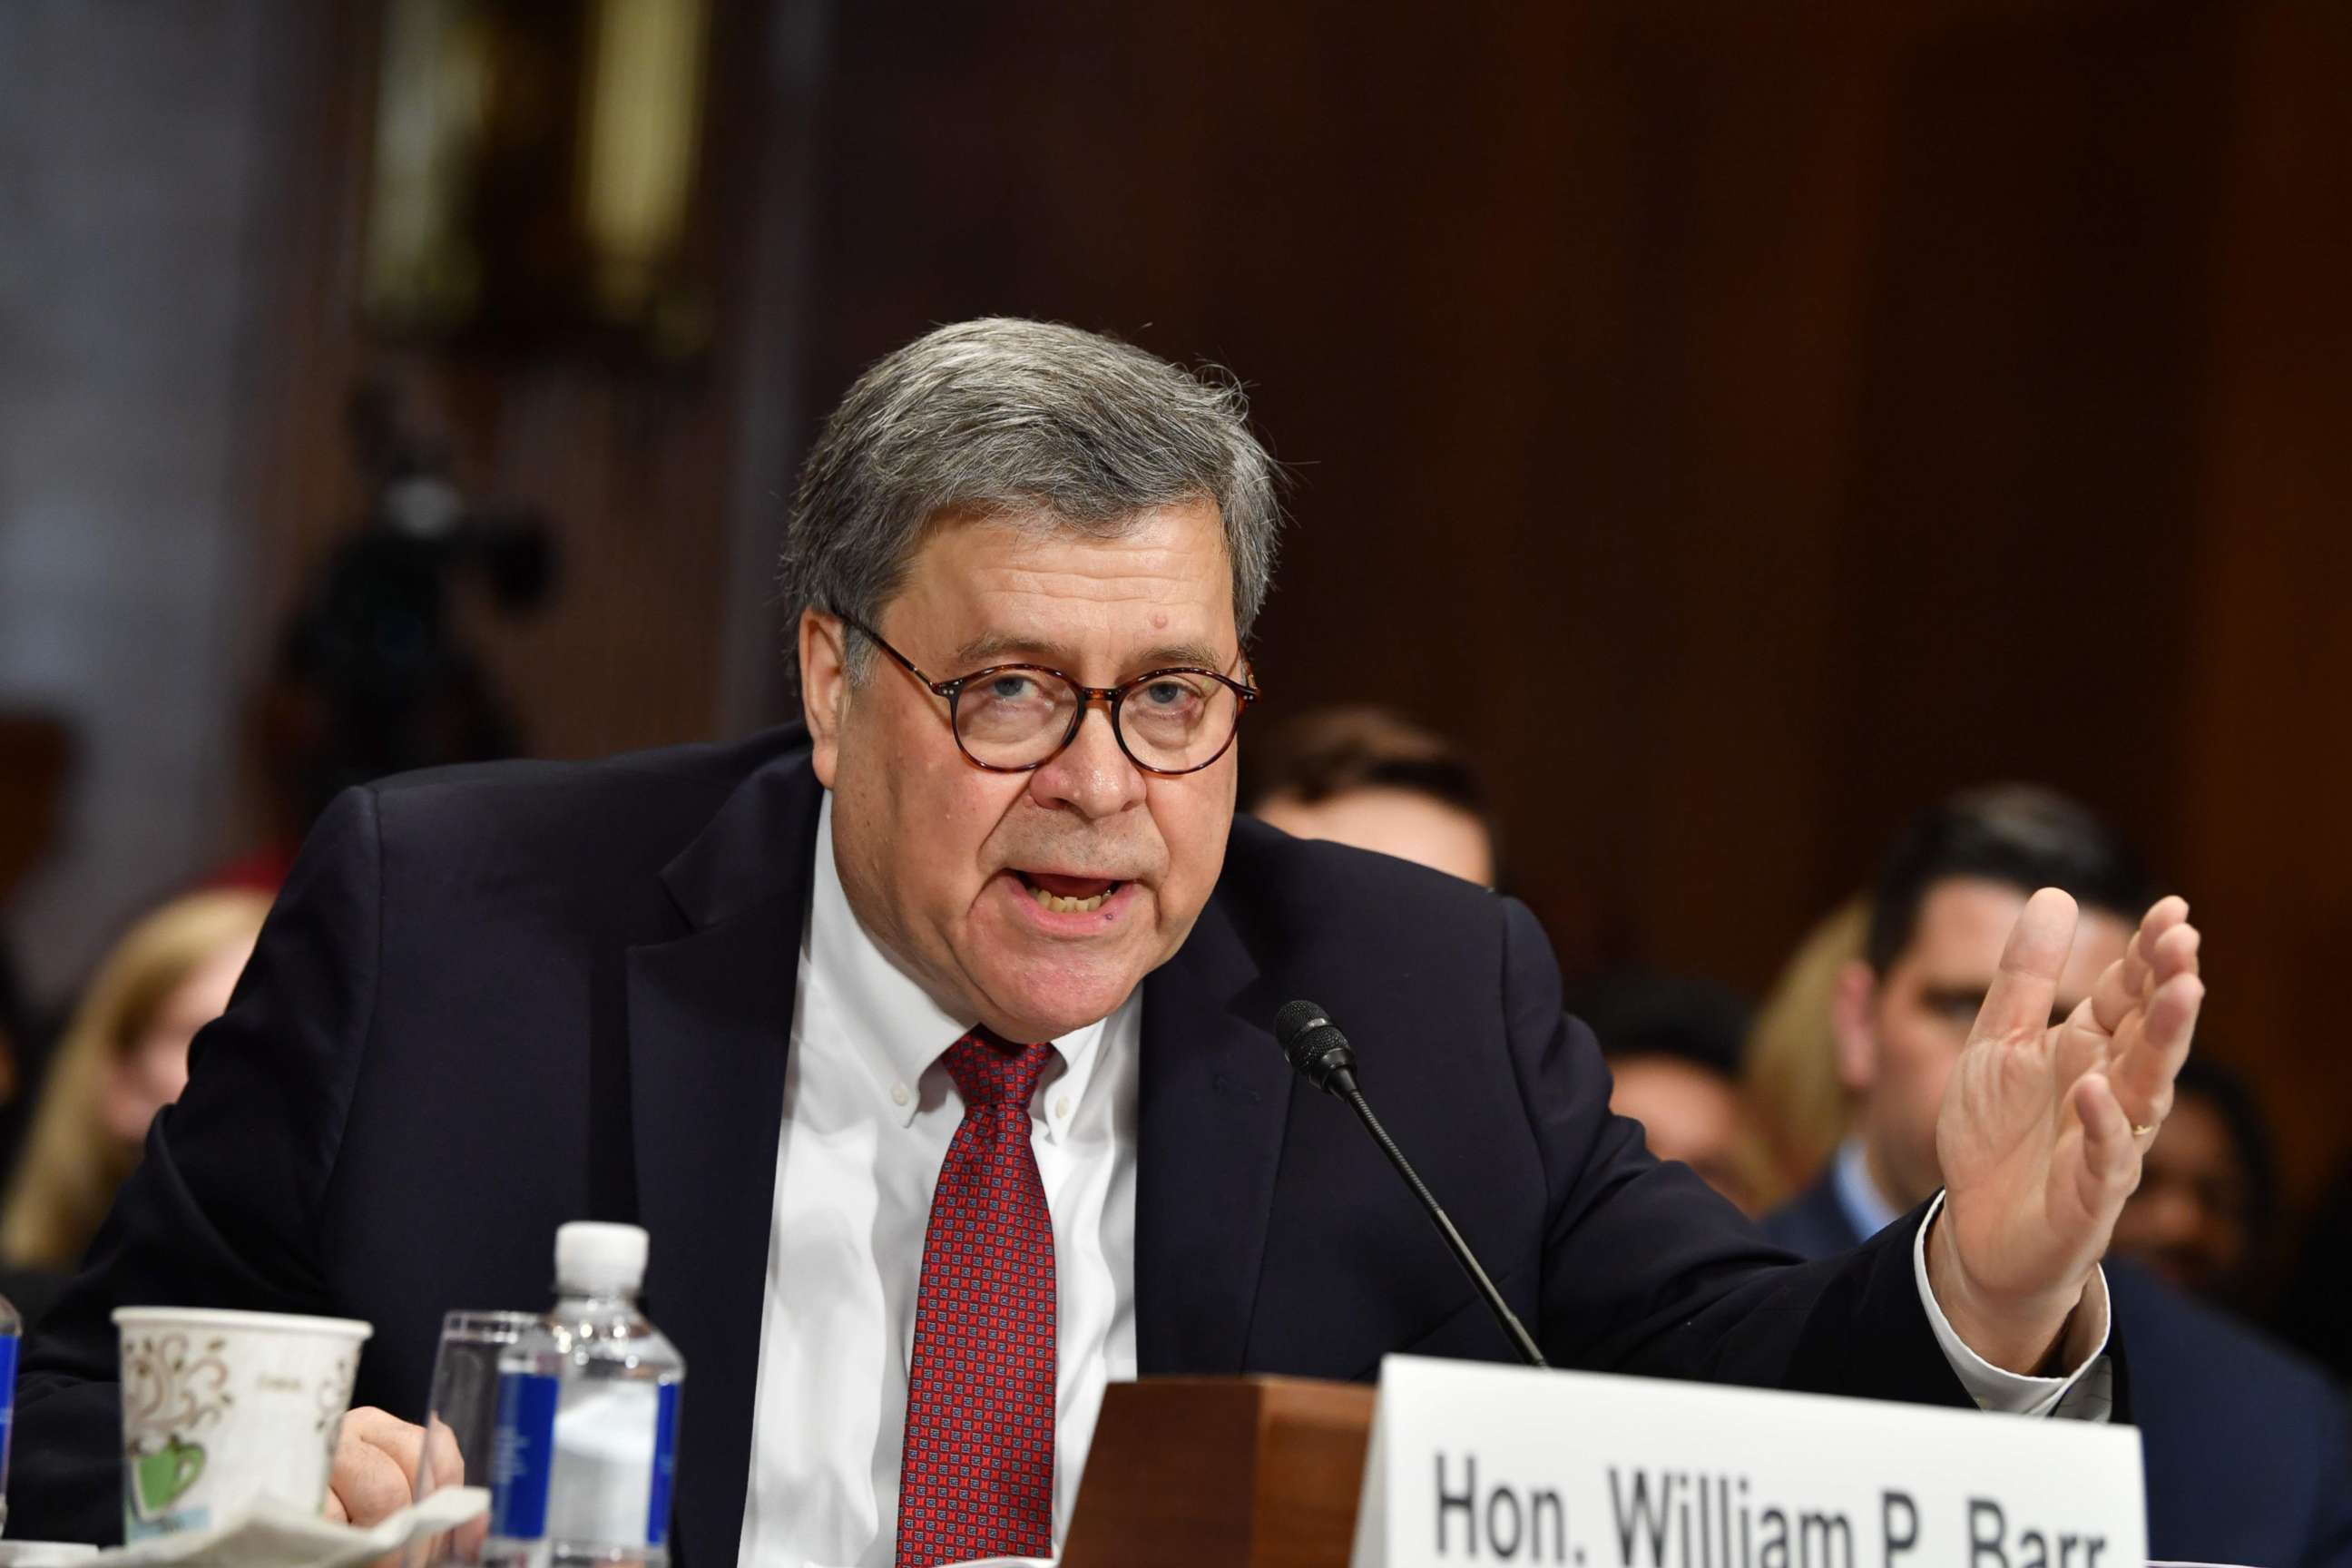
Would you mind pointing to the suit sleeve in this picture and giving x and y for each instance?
(2330, 1537)
(223, 1211)
(1647, 1270)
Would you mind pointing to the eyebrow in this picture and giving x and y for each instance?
(996, 647)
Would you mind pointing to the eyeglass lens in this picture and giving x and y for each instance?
(1173, 721)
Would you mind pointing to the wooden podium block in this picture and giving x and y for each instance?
(1257, 1472)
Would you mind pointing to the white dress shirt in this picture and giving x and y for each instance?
(2087, 1394)
(868, 1113)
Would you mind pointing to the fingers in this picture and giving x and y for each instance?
(2110, 1155)
(2112, 997)
(375, 1467)
(2141, 960)
(2148, 1002)
(403, 1441)
(443, 1466)
(2083, 1045)
(2177, 951)
(2019, 1002)
(2165, 945)
(367, 1484)
(2143, 1070)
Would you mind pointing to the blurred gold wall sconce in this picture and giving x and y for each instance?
(535, 176)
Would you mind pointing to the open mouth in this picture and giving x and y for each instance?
(1067, 895)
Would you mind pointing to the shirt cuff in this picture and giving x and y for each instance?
(2087, 1394)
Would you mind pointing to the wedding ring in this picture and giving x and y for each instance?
(2145, 1130)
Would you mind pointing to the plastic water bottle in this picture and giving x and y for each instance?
(586, 1454)
(12, 1329)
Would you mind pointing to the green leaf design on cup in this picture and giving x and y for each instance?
(164, 1476)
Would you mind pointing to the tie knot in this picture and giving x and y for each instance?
(991, 1072)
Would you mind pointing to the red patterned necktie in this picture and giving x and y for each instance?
(976, 1476)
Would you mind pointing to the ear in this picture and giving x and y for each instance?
(1852, 999)
(825, 688)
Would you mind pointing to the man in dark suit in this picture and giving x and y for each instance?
(2245, 1444)
(970, 980)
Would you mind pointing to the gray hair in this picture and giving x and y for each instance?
(1008, 417)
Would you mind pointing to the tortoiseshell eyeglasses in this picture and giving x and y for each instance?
(1016, 718)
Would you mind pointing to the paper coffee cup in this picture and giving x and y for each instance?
(221, 1410)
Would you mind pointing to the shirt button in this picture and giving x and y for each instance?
(897, 1094)
(1062, 1108)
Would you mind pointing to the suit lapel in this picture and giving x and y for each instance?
(1215, 1097)
(709, 1019)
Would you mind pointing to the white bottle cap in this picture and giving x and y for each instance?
(593, 1258)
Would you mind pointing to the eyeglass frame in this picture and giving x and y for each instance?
(1111, 696)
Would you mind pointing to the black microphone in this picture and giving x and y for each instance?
(1320, 1054)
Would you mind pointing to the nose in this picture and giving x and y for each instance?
(1091, 775)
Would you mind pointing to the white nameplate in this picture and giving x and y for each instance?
(1481, 1463)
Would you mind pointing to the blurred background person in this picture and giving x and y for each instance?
(2245, 1447)
(1945, 900)
(2207, 1209)
(378, 669)
(124, 1058)
(1373, 779)
(1789, 1071)
(1673, 1044)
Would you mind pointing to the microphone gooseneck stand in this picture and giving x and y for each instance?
(1320, 1054)
(1520, 1339)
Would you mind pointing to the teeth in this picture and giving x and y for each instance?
(1062, 906)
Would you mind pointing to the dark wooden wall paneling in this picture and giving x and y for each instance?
(2263, 830)
(1739, 425)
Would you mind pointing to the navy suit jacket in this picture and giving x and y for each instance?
(494, 999)
(2244, 1444)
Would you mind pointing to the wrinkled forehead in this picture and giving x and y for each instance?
(1029, 582)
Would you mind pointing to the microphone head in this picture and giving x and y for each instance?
(1295, 1019)
(1315, 1047)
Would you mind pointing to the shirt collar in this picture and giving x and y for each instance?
(896, 1027)
(1867, 1209)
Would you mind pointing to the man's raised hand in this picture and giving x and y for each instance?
(2043, 1126)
